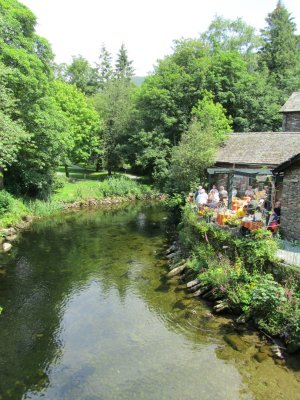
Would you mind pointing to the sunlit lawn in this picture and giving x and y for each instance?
(83, 173)
(78, 190)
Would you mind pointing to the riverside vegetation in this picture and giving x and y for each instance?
(242, 275)
(72, 195)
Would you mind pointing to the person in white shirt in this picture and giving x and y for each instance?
(202, 198)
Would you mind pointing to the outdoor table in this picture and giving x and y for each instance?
(252, 225)
(222, 218)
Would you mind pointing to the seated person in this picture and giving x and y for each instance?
(252, 205)
(198, 191)
(273, 224)
(242, 211)
(249, 191)
(223, 193)
(277, 209)
(202, 198)
(213, 197)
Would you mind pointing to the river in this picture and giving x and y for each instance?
(89, 315)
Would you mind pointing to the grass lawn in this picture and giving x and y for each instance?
(78, 172)
(77, 190)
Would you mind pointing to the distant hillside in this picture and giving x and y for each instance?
(138, 80)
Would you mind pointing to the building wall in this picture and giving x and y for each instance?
(290, 203)
(291, 122)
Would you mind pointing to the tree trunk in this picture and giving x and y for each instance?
(98, 165)
(67, 171)
(1, 178)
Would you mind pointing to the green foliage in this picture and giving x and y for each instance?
(227, 35)
(83, 123)
(258, 250)
(280, 50)
(110, 187)
(12, 209)
(6, 201)
(124, 69)
(266, 296)
(150, 152)
(41, 208)
(173, 202)
(236, 270)
(115, 105)
(104, 68)
(80, 74)
(212, 116)
(198, 145)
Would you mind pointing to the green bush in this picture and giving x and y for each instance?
(6, 202)
(238, 268)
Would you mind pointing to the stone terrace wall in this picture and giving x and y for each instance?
(291, 122)
(290, 207)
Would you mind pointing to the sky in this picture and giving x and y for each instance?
(147, 28)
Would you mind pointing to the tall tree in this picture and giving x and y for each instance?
(12, 134)
(231, 35)
(115, 106)
(30, 59)
(83, 122)
(197, 146)
(123, 68)
(280, 51)
(82, 75)
(104, 67)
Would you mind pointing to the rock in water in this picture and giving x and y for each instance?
(6, 247)
(176, 271)
(235, 342)
(192, 283)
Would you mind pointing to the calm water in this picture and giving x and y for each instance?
(89, 315)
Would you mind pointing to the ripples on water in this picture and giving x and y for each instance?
(89, 315)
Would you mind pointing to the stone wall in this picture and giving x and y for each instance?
(291, 122)
(290, 203)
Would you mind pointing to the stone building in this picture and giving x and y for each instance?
(291, 114)
(257, 157)
(290, 197)
(251, 157)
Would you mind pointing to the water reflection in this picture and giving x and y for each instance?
(89, 316)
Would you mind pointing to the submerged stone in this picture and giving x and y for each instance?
(235, 342)
(6, 247)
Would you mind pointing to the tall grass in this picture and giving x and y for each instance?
(110, 187)
(40, 208)
(13, 210)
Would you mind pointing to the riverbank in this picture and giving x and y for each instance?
(17, 214)
(239, 275)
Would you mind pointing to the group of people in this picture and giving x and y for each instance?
(256, 206)
(211, 199)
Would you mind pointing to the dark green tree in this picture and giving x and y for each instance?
(280, 50)
(115, 106)
(123, 67)
(12, 134)
(104, 67)
(30, 59)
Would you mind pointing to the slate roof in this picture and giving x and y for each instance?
(292, 104)
(259, 148)
(293, 160)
